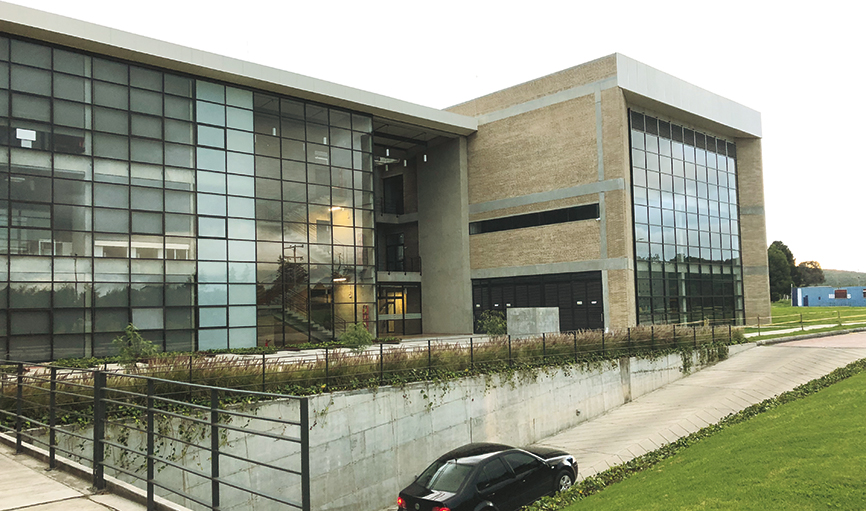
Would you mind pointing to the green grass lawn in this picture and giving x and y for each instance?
(807, 454)
(785, 316)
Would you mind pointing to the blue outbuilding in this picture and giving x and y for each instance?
(828, 296)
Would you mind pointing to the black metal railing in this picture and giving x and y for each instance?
(405, 265)
(173, 439)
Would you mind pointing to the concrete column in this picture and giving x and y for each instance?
(443, 232)
(753, 229)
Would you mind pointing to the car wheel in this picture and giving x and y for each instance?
(564, 481)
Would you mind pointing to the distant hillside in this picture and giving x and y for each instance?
(842, 278)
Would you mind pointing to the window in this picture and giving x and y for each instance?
(394, 252)
(492, 474)
(556, 216)
(521, 463)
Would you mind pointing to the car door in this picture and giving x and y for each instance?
(533, 478)
(495, 483)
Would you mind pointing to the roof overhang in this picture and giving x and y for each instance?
(665, 94)
(60, 30)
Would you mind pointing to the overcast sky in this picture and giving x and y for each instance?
(797, 63)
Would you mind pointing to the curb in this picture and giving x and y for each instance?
(801, 337)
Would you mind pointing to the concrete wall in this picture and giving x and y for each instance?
(528, 321)
(443, 226)
(366, 445)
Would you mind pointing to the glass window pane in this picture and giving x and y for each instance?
(210, 91)
(241, 164)
(241, 207)
(212, 182)
(110, 146)
(210, 113)
(210, 159)
(178, 85)
(213, 205)
(145, 78)
(146, 151)
(178, 108)
(30, 107)
(146, 126)
(145, 102)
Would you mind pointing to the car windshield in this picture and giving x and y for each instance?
(444, 476)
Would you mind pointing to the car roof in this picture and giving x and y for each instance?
(478, 451)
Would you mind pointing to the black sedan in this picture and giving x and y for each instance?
(489, 477)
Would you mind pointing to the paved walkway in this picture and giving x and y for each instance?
(703, 398)
(26, 485)
(768, 330)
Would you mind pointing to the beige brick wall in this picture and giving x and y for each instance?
(583, 74)
(614, 113)
(753, 229)
(557, 243)
(537, 151)
(620, 285)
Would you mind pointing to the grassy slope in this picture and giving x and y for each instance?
(808, 454)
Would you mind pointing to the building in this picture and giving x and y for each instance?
(217, 203)
(825, 296)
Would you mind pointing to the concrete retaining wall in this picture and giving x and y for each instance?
(366, 445)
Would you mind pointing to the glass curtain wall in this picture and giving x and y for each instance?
(686, 224)
(208, 216)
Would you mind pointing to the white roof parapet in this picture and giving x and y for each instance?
(661, 88)
(53, 28)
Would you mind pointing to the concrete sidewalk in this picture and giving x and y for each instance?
(25, 484)
(703, 398)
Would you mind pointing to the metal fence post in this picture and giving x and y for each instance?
(801, 321)
(429, 356)
(730, 334)
(695, 335)
(150, 445)
(263, 372)
(305, 454)
(602, 340)
(652, 337)
(214, 448)
(52, 420)
(19, 408)
(713, 332)
(381, 363)
(471, 354)
(675, 334)
(99, 383)
(326, 366)
(574, 335)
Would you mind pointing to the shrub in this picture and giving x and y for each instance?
(357, 338)
(132, 347)
(493, 323)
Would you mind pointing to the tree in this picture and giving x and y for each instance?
(132, 347)
(811, 273)
(357, 338)
(793, 271)
(492, 322)
(780, 273)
